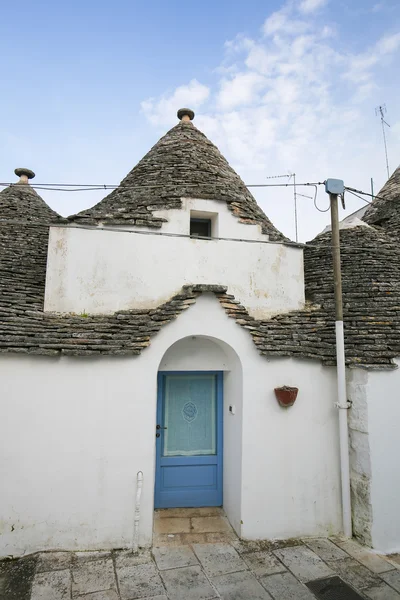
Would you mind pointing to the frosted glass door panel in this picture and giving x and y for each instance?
(190, 415)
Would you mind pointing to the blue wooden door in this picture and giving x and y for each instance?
(189, 440)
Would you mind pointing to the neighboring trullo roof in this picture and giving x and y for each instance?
(384, 211)
(183, 163)
(21, 202)
(24, 232)
(370, 262)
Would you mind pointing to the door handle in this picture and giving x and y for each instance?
(159, 427)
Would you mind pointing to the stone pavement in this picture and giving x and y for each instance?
(196, 556)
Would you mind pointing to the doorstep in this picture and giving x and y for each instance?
(183, 526)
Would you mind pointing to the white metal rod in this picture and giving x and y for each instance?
(341, 371)
(136, 520)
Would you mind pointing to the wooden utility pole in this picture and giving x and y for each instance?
(334, 187)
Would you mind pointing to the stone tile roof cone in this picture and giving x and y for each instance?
(25, 219)
(184, 163)
(21, 202)
(384, 211)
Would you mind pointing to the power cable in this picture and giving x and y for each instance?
(373, 196)
(357, 196)
(182, 235)
(59, 187)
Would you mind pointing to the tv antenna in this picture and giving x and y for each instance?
(381, 110)
(295, 195)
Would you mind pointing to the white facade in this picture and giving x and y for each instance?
(77, 431)
(375, 447)
(102, 271)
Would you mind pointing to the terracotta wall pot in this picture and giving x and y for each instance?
(286, 395)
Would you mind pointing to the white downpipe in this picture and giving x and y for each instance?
(136, 520)
(343, 407)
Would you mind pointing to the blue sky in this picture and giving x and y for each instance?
(88, 87)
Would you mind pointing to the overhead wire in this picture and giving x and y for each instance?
(357, 196)
(93, 187)
(59, 187)
(177, 235)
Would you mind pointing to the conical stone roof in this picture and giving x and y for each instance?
(384, 211)
(24, 230)
(22, 202)
(183, 163)
(370, 262)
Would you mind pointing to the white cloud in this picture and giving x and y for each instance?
(294, 99)
(241, 90)
(389, 44)
(281, 22)
(310, 6)
(163, 110)
(360, 68)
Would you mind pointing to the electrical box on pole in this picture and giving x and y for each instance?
(334, 186)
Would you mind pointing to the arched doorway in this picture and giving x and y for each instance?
(198, 447)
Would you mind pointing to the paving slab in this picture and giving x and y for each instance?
(263, 563)
(16, 578)
(393, 579)
(127, 558)
(173, 558)
(188, 583)
(219, 559)
(210, 524)
(303, 563)
(139, 581)
(90, 555)
(245, 546)
(93, 576)
(382, 592)
(369, 559)
(394, 559)
(193, 538)
(172, 525)
(223, 537)
(284, 586)
(103, 595)
(240, 586)
(167, 539)
(53, 561)
(54, 585)
(326, 549)
(358, 576)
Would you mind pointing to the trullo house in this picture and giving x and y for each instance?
(148, 334)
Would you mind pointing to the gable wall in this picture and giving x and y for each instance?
(102, 271)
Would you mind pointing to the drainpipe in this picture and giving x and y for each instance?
(136, 520)
(334, 187)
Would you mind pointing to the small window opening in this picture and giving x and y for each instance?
(200, 228)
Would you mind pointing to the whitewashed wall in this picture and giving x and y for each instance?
(291, 477)
(360, 455)
(384, 442)
(101, 271)
(374, 450)
(75, 431)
